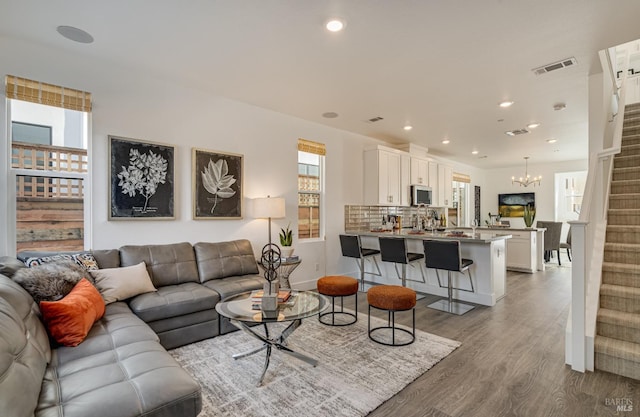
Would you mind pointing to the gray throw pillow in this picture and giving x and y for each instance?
(51, 281)
(9, 265)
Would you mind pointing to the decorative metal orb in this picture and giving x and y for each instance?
(270, 261)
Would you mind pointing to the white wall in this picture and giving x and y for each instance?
(498, 181)
(135, 105)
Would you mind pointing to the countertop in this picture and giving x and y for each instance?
(514, 229)
(481, 236)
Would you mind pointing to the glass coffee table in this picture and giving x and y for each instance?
(301, 304)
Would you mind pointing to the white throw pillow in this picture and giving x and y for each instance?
(117, 284)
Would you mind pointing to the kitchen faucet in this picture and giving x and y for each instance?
(422, 219)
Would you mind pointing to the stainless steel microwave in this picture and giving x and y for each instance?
(421, 194)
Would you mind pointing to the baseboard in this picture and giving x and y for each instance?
(305, 285)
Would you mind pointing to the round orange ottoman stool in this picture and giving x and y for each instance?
(335, 286)
(392, 298)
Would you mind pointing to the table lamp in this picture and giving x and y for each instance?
(270, 208)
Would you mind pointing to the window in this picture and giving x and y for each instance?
(569, 189)
(310, 189)
(48, 166)
(30, 133)
(459, 215)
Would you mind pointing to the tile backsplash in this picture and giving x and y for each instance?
(358, 218)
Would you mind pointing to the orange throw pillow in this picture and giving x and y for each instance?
(70, 319)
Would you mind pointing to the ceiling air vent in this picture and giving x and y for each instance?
(555, 66)
(516, 132)
(375, 119)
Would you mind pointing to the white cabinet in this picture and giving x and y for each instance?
(419, 171)
(445, 186)
(522, 250)
(389, 173)
(405, 176)
(386, 177)
(433, 179)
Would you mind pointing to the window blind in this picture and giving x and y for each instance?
(51, 95)
(309, 146)
(461, 177)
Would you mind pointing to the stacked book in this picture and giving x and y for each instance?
(292, 258)
(256, 298)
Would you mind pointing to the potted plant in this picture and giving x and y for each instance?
(286, 240)
(529, 215)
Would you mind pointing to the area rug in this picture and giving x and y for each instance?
(354, 375)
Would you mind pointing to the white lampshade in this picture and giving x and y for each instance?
(269, 207)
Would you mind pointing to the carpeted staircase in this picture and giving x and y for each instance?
(617, 343)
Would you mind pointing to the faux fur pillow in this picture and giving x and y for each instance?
(51, 281)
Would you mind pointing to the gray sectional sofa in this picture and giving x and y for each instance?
(122, 368)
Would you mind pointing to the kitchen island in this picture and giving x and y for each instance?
(487, 249)
(525, 249)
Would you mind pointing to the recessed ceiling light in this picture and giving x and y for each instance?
(505, 104)
(408, 127)
(446, 141)
(475, 152)
(516, 132)
(552, 140)
(533, 125)
(75, 34)
(335, 25)
(330, 115)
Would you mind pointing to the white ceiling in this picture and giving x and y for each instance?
(441, 66)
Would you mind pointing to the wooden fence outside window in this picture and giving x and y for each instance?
(49, 210)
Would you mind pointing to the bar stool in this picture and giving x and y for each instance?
(392, 298)
(394, 249)
(335, 286)
(351, 248)
(445, 255)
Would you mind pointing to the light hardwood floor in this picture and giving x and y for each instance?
(511, 362)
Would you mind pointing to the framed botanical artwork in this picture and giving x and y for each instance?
(141, 180)
(217, 184)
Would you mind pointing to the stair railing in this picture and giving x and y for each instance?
(589, 232)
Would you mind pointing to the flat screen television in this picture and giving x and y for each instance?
(512, 205)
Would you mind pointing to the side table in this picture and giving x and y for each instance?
(284, 270)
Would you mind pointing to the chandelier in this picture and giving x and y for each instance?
(526, 180)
